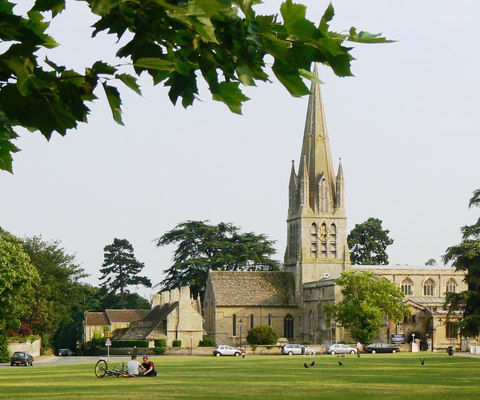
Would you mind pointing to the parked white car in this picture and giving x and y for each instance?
(226, 350)
(292, 349)
(338, 348)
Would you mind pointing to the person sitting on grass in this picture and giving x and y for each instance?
(133, 367)
(148, 366)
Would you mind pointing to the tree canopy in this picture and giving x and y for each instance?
(202, 246)
(368, 242)
(18, 275)
(465, 257)
(121, 269)
(367, 301)
(56, 290)
(176, 42)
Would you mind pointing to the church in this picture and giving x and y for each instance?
(292, 300)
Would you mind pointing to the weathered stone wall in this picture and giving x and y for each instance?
(32, 347)
(224, 322)
(184, 322)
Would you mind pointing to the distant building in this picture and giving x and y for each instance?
(174, 315)
(315, 256)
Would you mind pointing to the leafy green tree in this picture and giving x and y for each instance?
(223, 41)
(262, 334)
(431, 261)
(17, 276)
(56, 291)
(367, 301)
(120, 269)
(465, 257)
(368, 242)
(202, 246)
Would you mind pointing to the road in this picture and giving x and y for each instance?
(54, 360)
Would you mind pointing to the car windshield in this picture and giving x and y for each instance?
(18, 354)
(228, 347)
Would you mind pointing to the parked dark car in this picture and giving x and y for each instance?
(21, 358)
(381, 348)
(65, 352)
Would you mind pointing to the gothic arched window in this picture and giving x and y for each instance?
(234, 325)
(269, 319)
(429, 287)
(288, 326)
(313, 240)
(323, 235)
(310, 320)
(452, 286)
(252, 321)
(332, 241)
(407, 287)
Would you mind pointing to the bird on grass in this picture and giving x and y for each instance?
(312, 364)
(340, 363)
(305, 365)
(422, 361)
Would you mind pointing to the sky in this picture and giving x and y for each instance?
(406, 127)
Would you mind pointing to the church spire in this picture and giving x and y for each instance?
(292, 190)
(316, 147)
(304, 186)
(340, 187)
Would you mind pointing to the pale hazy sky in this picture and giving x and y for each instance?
(406, 127)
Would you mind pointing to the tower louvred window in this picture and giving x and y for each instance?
(313, 241)
(333, 241)
(323, 235)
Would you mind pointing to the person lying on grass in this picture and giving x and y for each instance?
(148, 366)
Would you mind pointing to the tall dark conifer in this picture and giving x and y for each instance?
(121, 269)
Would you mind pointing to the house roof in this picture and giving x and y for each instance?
(405, 267)
(436, 301)
(125, 315)
(95, 319)
(253, 288)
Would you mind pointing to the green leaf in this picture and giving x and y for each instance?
(115, 102)
(231, 95)
(55, 6)
(290, 78)
(155, 63)
(310, 76)
(101, 67)
(366, 37)
(130, 81)
(295, 21)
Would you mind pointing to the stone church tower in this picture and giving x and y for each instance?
(317, 223)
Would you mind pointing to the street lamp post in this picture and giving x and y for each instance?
(240, 322)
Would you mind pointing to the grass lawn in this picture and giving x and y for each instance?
(385, 377)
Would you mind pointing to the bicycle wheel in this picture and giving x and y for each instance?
(101, 368)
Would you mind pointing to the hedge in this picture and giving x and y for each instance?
(160, 350)
(130, 343)
(262, 334)
(176, 343)
(160, 342)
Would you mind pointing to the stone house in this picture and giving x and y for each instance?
(175, 315)
(112, 319)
